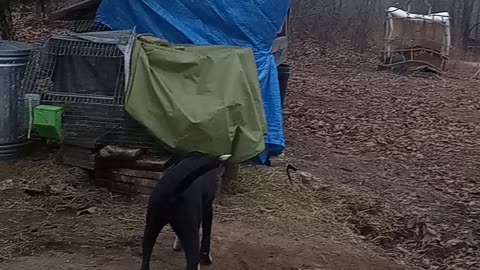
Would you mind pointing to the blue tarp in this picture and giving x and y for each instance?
(245, 23)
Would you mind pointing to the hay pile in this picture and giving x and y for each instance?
(50, 207)
(308, 207)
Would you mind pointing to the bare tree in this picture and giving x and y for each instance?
(361, 30)
(6, 24)
(467, 11)
(316, 17)
(361, 21)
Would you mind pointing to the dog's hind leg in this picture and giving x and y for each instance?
(152, 230)
(207, 219)
(177, 246)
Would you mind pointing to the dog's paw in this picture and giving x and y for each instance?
(177, 246)
(205, 259)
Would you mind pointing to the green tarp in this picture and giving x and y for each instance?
(198, 98)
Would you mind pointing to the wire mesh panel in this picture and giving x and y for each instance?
(76, 71)
(102, 124)
(85, 74)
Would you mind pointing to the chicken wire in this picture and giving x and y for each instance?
(76, 71)
(85, 75)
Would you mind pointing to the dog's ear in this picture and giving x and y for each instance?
(224, 157)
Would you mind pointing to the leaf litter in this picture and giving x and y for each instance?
(412, 144)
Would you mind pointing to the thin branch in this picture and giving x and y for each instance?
(473, 27)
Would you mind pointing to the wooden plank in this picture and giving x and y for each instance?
(114, 152)
(123, 187)
(141, 182)
(131, 189)
(142, 198)
(77, 156)
(85, 143)
(79, 149)
(84, 164)
(138, 173)
(80, 153)
(147, 164)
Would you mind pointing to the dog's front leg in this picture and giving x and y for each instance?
(207, 220)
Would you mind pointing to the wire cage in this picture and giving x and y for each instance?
(420, 41)
(84, 72)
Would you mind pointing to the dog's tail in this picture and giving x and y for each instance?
(179, 178)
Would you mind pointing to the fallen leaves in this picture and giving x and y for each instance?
(338, 101)
(6, 185)
(30, 28)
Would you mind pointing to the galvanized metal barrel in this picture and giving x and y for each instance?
(13, 61)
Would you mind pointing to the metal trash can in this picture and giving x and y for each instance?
(13, 61)
(283, 76)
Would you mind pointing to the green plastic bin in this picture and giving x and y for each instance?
(47, 121)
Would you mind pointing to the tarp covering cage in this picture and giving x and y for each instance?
(203, 98)
(248, 23)
(420, 41)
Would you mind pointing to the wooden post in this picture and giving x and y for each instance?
(231, 172)
(231, 175)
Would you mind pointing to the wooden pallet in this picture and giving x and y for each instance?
(78, 156)
(132, 178)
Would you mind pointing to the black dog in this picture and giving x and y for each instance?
(210, 183)
(183, 199)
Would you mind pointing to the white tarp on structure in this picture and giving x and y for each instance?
(441, 17)
(420, 39)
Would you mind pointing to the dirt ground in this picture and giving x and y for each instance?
(45, 227)
(389, 180)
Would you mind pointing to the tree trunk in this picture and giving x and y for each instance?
(6, 24)
(466, 21)
(361, 29)
(477, 32)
